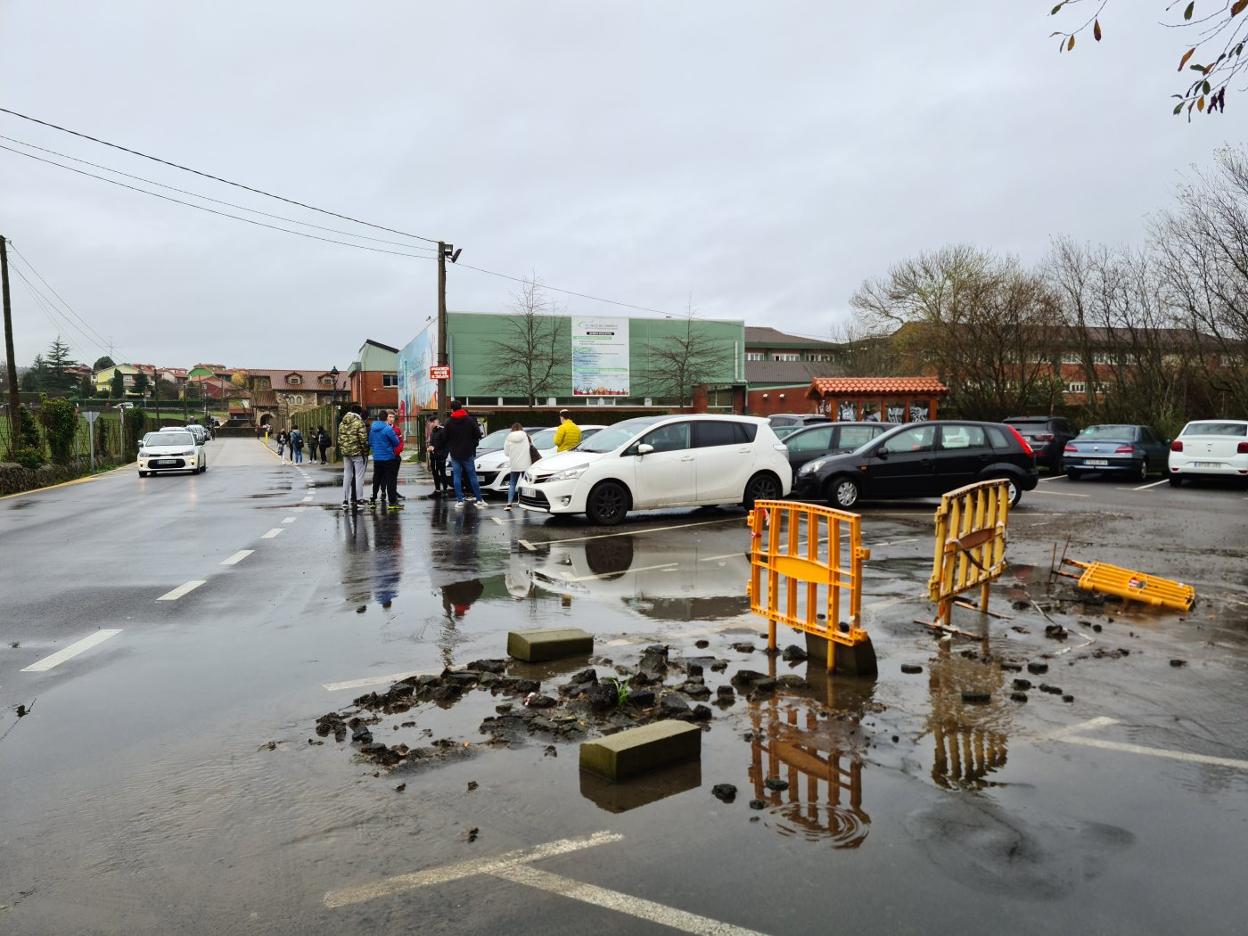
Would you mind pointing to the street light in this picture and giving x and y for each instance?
(334, 416)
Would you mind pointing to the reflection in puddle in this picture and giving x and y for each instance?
(618, 797)
(816, 762)
(969, 721)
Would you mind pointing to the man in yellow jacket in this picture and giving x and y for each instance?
(568, 435)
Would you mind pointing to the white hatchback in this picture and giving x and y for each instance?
(171, 450)
(1215, 448)
(492, 471)
(661, 461)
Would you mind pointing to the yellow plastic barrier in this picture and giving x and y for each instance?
(970, 544)
(1134, 586)
(806, 572)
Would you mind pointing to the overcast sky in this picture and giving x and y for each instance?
(757, 159)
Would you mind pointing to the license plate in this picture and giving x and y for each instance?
(527, 492)
(1206, 464)
(1103, 462)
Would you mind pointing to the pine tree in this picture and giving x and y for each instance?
(117, 385)
(141, 383)
(59, 362)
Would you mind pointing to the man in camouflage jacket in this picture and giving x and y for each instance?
(353, 447)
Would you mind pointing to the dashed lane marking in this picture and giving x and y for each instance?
(184, 589)
(366, 682)
(308, 499)
(237, 557)
(276, 531)
(1145, 487)
(405, 882)
(289, 519)
(68, 653)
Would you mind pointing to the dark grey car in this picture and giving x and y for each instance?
(1116, 448)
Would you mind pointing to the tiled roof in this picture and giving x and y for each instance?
(309, 380)
(856, 386)
(760, 336)
(787, 372)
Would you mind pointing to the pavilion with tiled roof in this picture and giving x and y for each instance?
(888, 399)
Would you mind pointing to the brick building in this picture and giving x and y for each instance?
(373, 377)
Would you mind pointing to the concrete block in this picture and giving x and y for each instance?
(640, 749)
(850, 661)
(641, 791)
(535, 646)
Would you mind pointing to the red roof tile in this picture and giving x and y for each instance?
(858, 386)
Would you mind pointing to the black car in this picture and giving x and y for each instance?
(811, 442)
(921, 460)
(796, 419)
(1047, 436)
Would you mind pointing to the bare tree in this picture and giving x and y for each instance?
(680, 362)
(865, 351)
(983, 324)
(526, 357)
(1202, 251)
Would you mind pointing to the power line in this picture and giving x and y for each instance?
(223, 214)
(215, 178)
(66, 305)
(217, 201)
(49, 311)
(566, 292)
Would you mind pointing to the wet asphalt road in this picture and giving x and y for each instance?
(142, 795)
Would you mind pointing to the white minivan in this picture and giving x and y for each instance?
(661, 461)
(1210, 448)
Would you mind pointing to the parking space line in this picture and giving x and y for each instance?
(662, 529)
(405, 882)
(184, 589)
(1051, 478)
(638, 907)
(238, 557)
(527, 545)
(1059, 493)
(272, 533)
(1183, 756)
(588, 578)
(366, 682)
(1145, 487)
(68, 653)
(739, 552)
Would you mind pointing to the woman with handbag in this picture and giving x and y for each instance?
(518, 448)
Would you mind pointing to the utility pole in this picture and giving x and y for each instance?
(445, 252)
(15, 412)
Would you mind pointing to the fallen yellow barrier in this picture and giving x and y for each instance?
(1132, 585)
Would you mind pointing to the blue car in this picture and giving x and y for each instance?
(1133, 451)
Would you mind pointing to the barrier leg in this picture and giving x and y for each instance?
(983, 597)
(858, 660)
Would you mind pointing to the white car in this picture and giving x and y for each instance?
(661, 461)
(492, 471)
(1210, 448)
(171, 450)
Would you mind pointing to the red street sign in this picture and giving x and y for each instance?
(440, 372)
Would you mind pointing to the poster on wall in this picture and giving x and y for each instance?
(417, 392)
(599, 357)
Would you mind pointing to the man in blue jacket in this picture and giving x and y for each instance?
(384, 441)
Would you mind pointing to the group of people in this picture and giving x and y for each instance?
(290, 445)
(384, 442)
(455, 442)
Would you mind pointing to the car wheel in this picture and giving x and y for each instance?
(607, 503)
(1142, 475)
(1072, 475)
(843, 493)
(1015, 492)
(1176, 480)
(763, 486)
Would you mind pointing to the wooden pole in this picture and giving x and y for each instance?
(15, 411)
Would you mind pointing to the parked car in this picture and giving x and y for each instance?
(661, 461)
(1214, 448)
(921, 460)
(201, 433)
(492, 471)
(1114, 448)
(171, 450)
(796, 419)
(810, 442)
(1047, 436)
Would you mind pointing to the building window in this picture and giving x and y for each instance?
(1069, 358)
(1077, 386)
(755, 356)
(818, 356)
(787, 356)
(389, 380)
(294, 380)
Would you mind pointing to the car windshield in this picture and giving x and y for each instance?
(544, 439)
(1216, 429)
(168, 438)
(782, 431)
(494, 440)
(611, 438)
(1108, 432)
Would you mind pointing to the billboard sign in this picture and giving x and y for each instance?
(599, 357)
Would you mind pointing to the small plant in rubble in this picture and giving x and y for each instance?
(621, 689)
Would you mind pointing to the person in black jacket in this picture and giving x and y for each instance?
(436, 450)
(462, 435)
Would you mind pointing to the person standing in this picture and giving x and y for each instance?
(383, 440)
(281, 446)
(323, 440)
(519, 459)
(296, 445)
(436, 448)
(568, 435)
(353, 447)
(462, 435)
(313, 441)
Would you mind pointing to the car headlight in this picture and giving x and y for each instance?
(812, 466)
(569, 474)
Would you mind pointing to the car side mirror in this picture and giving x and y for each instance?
(880, 452)
(644, 449)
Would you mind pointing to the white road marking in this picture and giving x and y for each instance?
(366, 682)
(739, 552)
(662, 529)
(238, 557)
(308, 499)
(1051, 478)
(272, 533)
(497, 520)
(642, 909)
(588, 578)
(527, 545)
(1145, 487)
(883, 603)
(405, 882)
(184, 589)
(1059, 493)
(72, 650)
(1089, 725)
(1073, 734)
(289, 519)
